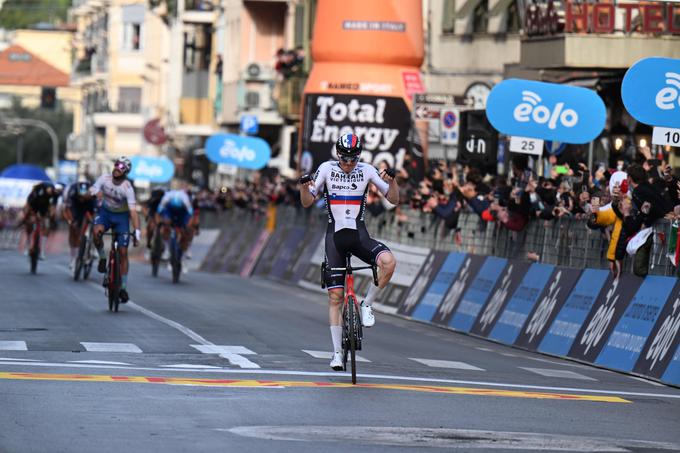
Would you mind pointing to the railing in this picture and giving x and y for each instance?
(564, 242)
(290, 96)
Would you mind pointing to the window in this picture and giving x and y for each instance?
(132, 36)
(129, 99)
(449, 17)
(512, 18)
(480, 18)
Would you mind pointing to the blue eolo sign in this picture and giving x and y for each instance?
(246, 152)
(651, 91)
(152, 169)
(548, 111)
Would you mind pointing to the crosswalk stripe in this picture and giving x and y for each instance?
(13, 346)
(189, 366)
(447, 364)
(558, 373)
(234, 354)
(329, 355)
(111, 347)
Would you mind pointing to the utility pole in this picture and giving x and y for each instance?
(42, 125)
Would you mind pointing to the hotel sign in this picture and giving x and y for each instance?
(656, 18)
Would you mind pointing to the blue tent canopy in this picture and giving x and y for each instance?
(25, 171)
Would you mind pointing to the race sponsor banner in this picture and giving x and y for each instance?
(663, 339)
(479, 292)
(672, 374)
(545, 311)
(610, 305)
(266, 261)
(505, 286)
(423, 280)
(427, 307)
(469, 269)
(310, 244)
(240, 245)
(562, 332)
(254, 253)
(624, 345)
(214, 259)
(288, 250)
(517, 310)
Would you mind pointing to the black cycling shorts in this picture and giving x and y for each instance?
(358, 243)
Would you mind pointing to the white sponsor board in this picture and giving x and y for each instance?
(526, 145)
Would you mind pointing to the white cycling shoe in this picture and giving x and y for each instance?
(367, 318)
(336, 361)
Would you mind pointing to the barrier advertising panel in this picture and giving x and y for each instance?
(453, 296)
(663, 339)
(286, 252)
(545, 311)
(428, 272)
(310, 243)
(628, 338)
(479, 292)
(672, 374)
(517, 310)
(505, 287)
(437, 289)
(563, 330)
(266, 261)
(610, 305)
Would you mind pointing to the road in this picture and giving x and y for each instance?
(220, 363)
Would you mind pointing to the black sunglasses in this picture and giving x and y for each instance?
(349, 160)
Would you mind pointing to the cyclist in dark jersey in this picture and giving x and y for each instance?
(344, 184)
(151, 206)
(40, 206)
(78, 203)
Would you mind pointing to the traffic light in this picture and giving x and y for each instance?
(48, 98)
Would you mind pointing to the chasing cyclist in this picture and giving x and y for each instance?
(40, 207)
(118, 207)
(176, 211)
(344, 184)
(78, 205)
(151, 207)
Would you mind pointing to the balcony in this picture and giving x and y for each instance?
(126, 114)
(200, 11)
(290, 97)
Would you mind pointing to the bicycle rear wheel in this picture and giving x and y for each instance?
(352, 334)
(156, 252)
(87, 258)
(34, 253)
(80, 258)
(114, 280)
(175, 259)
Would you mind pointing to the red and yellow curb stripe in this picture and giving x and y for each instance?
(256, 383)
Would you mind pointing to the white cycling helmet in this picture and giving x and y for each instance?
(123, 164)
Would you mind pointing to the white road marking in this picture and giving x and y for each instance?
(484, 349)
(566, 374)
(447, 364)
(13, 346)
(234, 354)
(193, 367)
(646, 381)
(98, 362)
(17, 360)
(507, 354)
(328, 355)
(364, 376)
(111, 347)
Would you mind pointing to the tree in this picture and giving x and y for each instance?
(17, 14)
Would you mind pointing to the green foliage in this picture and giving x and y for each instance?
(37, 146)
(25, 13)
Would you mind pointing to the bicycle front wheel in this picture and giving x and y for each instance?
(352, 334)
(79, 259)
(34, 253)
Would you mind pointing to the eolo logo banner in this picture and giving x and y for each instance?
(546, 111)
(651, 91)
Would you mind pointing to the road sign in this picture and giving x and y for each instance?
(450, 123)
(555, 148)
(249, 124)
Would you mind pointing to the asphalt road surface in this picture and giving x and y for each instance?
(220, 363)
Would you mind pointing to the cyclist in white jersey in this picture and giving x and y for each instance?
(344, 184)
(116, 211)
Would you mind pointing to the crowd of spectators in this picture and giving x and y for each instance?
(289, 62)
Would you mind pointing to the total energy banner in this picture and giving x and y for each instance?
(367, 58)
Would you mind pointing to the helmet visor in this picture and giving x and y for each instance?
(349, 159)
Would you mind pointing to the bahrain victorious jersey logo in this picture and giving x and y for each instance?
(545, 308)
(494, 306)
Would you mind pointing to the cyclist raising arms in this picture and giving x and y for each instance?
(344, 184)
(117, 208)
(78, 202)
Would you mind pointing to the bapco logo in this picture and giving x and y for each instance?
(496, 302)
(453, 296)
(665, 336)
(545, 309)
(598, 325)
(531, 110)
(666, 97)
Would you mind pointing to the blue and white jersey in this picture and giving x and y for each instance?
(174, 200)
(345, 193)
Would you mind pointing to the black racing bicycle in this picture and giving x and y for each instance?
(352, 332)
(85, 258)
(113, 278)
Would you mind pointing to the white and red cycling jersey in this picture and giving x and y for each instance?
(345, 193)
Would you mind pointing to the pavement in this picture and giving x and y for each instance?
(221, 363)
